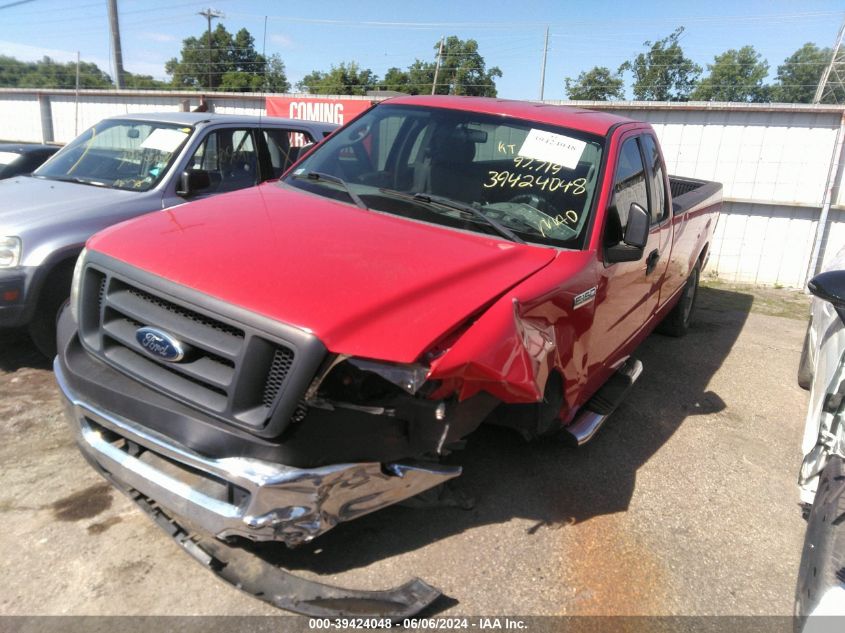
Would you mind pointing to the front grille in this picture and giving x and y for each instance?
(230, 370)
(282, 361)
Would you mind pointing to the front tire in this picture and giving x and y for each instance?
(42, 328)
(678, 321)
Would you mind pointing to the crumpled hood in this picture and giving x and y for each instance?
(366, 283)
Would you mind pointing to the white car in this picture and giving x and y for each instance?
(821, 577)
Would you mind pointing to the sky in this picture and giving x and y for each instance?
(378, 34)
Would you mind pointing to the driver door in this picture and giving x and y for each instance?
(629, 290)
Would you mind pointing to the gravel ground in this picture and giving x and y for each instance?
(684, 504)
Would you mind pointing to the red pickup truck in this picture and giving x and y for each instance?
(266, 364)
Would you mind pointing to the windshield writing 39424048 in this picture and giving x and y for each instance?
(516, 180)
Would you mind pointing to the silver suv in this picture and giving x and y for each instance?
(121, 168)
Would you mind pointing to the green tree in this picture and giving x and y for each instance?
(597, 84)
(735, 75)
(799, 75)
(226, 62)
(416, 80)
(48, 73)
(143, 82)
(343, 79)
(663, 73)
(396, 79)
(463, 69)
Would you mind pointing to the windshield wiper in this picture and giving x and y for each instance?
(468, 208)
(81, 181)
(318, 175)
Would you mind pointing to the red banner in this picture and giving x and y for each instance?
(338, 111)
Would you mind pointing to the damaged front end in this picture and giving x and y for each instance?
(206, 504)
(242, 496)
(361, 435)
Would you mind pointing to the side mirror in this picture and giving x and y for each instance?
(636, 237)
(192, 181)
(830, 286)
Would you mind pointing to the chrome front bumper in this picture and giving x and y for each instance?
(239, 496)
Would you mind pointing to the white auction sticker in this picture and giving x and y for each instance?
(164, 140)
(7, 157)
(552, 148)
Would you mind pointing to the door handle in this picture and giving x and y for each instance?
(651, 261)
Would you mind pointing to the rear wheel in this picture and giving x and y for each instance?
(54, 294)
(823, 558)
(677, 322)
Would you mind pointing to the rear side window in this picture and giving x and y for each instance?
(283, 147)
(658, 187)
(629, 186)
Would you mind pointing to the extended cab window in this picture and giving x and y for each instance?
(462, 169)
(629, 186)
(659, 208)
(229, 157)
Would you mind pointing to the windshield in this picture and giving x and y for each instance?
(131, 155)
(535, 180)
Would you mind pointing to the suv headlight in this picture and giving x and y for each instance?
(10, 251)
(74, 285)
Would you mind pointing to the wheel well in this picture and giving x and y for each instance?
(59, 271)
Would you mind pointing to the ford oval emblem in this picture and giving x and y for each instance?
(160, 344)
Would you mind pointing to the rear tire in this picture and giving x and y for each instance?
(823, 557)
(54, 294)
(805, 369)
(677, 322)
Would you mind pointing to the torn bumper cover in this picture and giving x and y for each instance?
(238, 496)
(255, 576)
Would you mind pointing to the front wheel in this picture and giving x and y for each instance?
(42, 328)
(677, 322)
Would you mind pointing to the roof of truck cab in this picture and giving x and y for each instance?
(195, 118)
(566, 116)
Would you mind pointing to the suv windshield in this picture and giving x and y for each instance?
(131, 155)
(536, 181)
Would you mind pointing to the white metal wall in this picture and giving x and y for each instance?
(774, 166)
(774, 162)
(20, 117)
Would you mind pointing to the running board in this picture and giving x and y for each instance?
(604, 402)
(254, 575)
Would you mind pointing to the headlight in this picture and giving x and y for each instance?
(74, 285)
(10, 251)
(408, 377)
(364, 382)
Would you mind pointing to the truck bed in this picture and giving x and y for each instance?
(689, 193)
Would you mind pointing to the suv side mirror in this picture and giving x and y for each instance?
(830, 286)
(192, 181)
(636, 237)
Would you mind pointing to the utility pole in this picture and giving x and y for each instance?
(437, 67)
(76, 107)
(543, 67)
(209, 14)
(115, 44)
